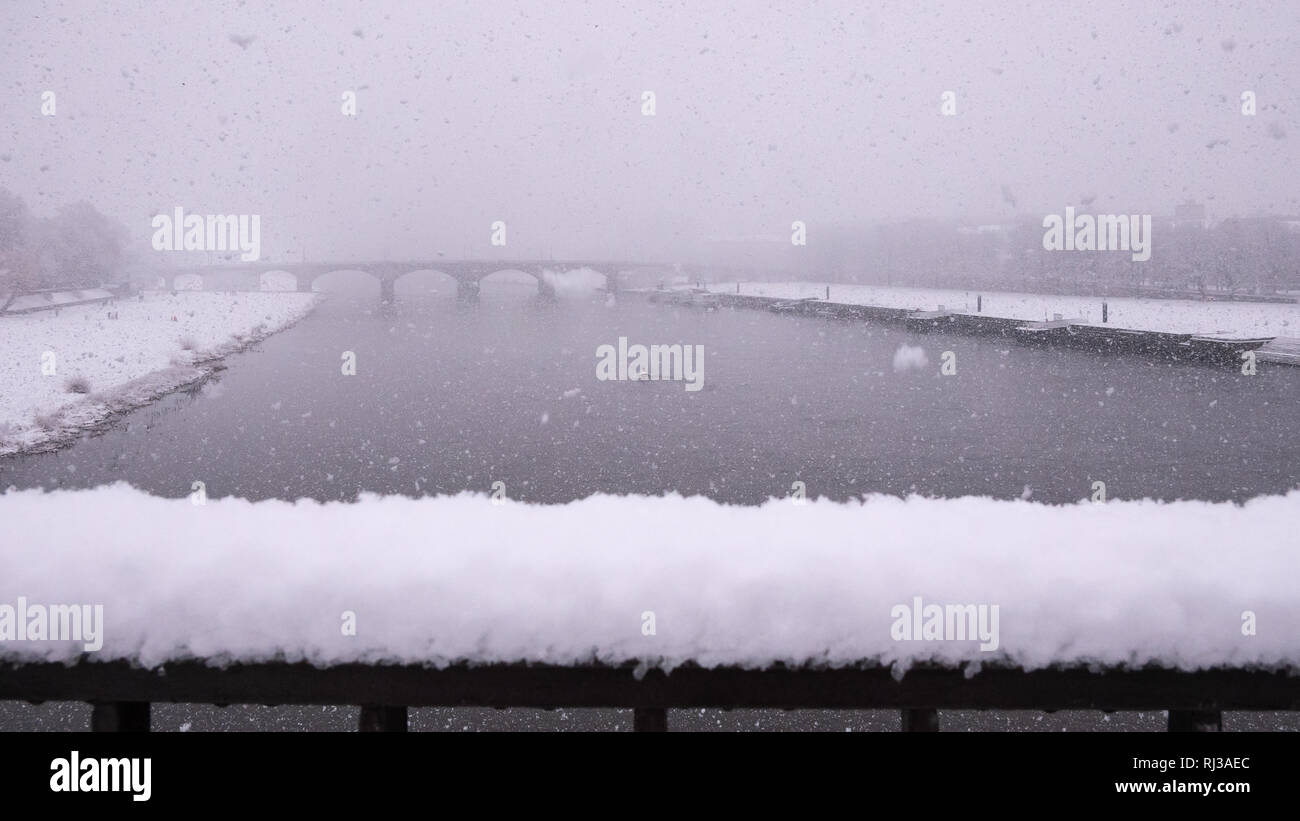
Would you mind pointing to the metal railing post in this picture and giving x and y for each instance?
(382, 719)
(1195, 721)
(920, 721)
(649, 720)
(119, 717)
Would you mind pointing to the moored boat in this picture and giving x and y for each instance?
(1104, 339)
(923, 321)
(794, 306)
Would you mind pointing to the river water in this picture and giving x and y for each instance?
(450, 397)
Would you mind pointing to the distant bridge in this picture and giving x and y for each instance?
(467, 273)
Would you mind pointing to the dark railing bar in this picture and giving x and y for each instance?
(134, 716)
(545, 686)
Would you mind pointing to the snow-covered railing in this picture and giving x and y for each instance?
(651, 603)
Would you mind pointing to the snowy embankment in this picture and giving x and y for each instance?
(439, 580)
(1231, 319)
(61, 374)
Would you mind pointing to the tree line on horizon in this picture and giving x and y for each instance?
(76, 247)
(79, 246)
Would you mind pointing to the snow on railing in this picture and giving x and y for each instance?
(1190, 602)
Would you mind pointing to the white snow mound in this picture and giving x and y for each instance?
(440, 580)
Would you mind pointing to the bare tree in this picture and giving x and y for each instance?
(15, 227)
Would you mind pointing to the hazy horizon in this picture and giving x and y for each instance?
(764, 115)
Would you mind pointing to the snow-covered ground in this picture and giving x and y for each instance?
(437, 580)
(154, 346)
(1235, 319)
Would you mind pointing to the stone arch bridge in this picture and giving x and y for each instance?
(468, 274)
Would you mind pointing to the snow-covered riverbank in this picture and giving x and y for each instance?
(660, 579)
(61, 374)
(1231, 319)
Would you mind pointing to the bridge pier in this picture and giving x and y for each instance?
(387, 291)
(467, 290)
(545, 289)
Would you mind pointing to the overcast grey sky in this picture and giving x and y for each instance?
(470, 112)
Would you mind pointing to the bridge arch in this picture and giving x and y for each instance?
(343, 279)
(277, 280)
(514, 276)
(463, 287)
(416, 276)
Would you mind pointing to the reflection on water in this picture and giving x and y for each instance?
(449, 397)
